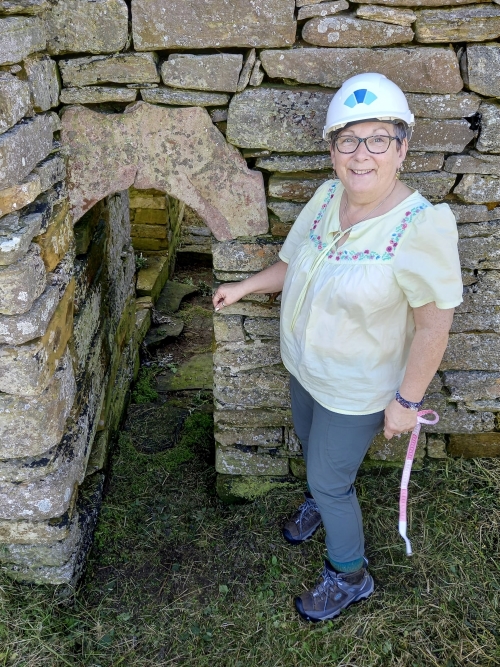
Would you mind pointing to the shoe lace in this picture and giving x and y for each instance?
(305, 510)
(327, 583)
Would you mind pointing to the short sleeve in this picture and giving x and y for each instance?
(300, 228)
(426, 264)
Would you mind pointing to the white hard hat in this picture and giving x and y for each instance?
(367, 96)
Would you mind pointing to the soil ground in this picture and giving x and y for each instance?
(176, 577)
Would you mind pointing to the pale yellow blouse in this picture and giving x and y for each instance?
(346, 319)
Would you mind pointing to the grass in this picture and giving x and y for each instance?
(177, 578)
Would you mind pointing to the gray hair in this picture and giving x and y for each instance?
(400, 131)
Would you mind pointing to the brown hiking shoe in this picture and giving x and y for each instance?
(334, 592)
(304, 522)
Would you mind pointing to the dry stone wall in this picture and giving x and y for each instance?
(135, 125)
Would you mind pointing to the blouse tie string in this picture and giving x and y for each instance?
(313, 269)
(403, 498)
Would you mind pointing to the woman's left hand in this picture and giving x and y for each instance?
(398, 419)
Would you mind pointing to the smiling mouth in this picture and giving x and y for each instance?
(361, 171)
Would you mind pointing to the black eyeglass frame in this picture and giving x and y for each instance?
(363, 141)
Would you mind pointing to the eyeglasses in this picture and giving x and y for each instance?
(378, 143)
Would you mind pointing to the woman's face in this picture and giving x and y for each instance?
(368, 174)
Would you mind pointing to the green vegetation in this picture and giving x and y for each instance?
(144, 390)
(178, 578)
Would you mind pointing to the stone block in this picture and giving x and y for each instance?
(218, 185)
(22, 282)
(119, 68)
(464, 24)
(236, 357)
(285, 210)
(42, 76)
(322, 9)
(472, 352)
(418, 162)
(19, 37)
(254, 419)
(483, 65)
(236, 462)
(434, 184)
(449, 136)
(396, 15)
(346, 30)
(50, 171)
(220, 71)
(97, 95)
(475, 445)
(256, 389)
(474, 163)
(472, 386)
(443, 106)
(262, 327)
(21, 328)
(456, 420)
(150, 232)
(14, 100)
(32, 425)
(28, 369)
(87, 26)
(419, 3)
(477, 189)
(473, 212)
(56, 241)
(479, 253)
(489, 135)
(296, 187)
(216, 24)
(238, 256)
(188, 98)
(393, 451)
(147, 199)
(14, 198)
(245, 74)
(292, 163)
(31, 532)
(31, 7)
(417, 70)
(152, 278)
(251, 309)
(228, 328)
(269, 438)
(23, 146)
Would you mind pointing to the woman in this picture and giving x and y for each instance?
(370, 278)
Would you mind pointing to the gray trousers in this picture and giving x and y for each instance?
(334, 446)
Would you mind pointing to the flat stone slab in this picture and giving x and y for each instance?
(478, 189)
(417, 70)
(171, 327)
(87, 26)
(483, 65)
(30, 7)
(246, 72)
(186, 98)
(434, 184)
(419, 3)
(177, 151)
(478, 445)
(296, 187)
(20, 36)
(345, 30)
(290, 163)
(466, 24)
(232, 461)
(96, 95)
(286, 211)
(214, 24)
(386, 14)
(151, 278)
(322, 9)
(15, 100)
(220, 71)
(239, 256)
(23, 146)
(16, 233)
(443, 106)
(416, 162)
(489, 135)
(14, 198)
(43, 80)
(171, 296)
(22, 282)
(196, 373)
(450, 136)
(474, 163)
(118, 68)
(473, 212)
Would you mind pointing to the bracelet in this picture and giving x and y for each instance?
(408, 404)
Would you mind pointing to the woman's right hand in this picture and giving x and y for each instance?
(226, 294)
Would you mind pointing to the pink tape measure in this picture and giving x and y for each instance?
(410, 454)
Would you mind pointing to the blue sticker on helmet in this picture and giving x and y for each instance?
(360, 96)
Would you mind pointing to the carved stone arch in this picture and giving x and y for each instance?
(176, 150)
